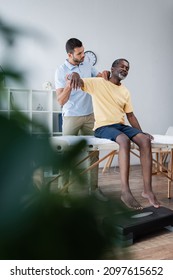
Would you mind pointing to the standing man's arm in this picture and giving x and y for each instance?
(73, 81)
(63, 94)
(62, 88)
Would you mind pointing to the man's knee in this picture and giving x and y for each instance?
(123, 140)
(144, 141)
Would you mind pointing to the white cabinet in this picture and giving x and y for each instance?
(40, 106)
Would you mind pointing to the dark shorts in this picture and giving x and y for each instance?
(112, 131)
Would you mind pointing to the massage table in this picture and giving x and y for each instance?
(160, 144)
(93, 144)
(63, 143)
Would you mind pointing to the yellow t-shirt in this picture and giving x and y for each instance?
(110, 102)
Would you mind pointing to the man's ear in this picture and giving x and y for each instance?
(69, 55)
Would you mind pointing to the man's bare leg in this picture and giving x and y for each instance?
(144, 144)
(124, 163)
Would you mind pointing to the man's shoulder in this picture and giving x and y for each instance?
(98, 79)
(62, 66)
(125, 90)
(124, 87)
(93, 80)
(85, 64)
(61, 69)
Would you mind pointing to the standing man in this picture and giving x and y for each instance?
(77, 109)
(112, 101)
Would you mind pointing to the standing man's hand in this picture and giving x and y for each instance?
(106, 74)
(74, 79)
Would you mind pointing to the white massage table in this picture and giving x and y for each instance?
(93, 144)
(161, 143)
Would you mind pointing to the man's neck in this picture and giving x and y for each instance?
(115, 81)
(73, 63)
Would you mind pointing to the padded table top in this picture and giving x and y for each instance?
(61, 143)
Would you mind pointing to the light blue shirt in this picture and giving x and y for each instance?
(80, 102)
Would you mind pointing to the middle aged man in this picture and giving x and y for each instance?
(111, 102)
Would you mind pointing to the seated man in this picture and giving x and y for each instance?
(111, 101)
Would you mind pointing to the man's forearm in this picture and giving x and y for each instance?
(133, 121)
(63, 95)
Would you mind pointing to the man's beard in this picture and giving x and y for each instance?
(77, 61)
(122, 77)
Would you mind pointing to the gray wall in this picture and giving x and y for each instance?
(138, 30)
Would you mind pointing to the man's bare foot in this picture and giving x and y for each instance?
(130, 201)
(151, 198)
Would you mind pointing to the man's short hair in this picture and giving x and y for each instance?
(71, 44)
(117, 61)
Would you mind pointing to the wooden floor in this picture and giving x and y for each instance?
(155, 246)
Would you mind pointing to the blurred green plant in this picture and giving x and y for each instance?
(38, 223)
